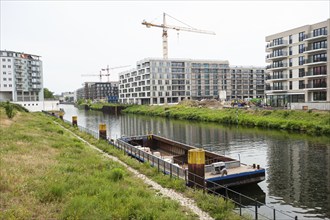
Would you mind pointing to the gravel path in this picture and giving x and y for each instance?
(184, 201)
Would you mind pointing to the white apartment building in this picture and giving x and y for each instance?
(298, 74)
(20, 77)
(245, 82)
(159, 81)
(21, 81)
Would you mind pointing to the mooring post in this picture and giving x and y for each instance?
(60, 114)
(102, 131)
(196, 167)
(74, 120)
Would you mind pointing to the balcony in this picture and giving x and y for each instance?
(311, 36)
(281, 55)
(19, 70)
(316, 86)
(277, 66)
(322, 48)
(273, 45)
(311, 74)
(277, 77)
(276, 88)
(317, 61)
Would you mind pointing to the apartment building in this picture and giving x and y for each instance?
(21, 77)
(96, 91)
(245, 82)
(159, 81)
(298, 74)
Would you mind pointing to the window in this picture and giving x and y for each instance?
(301, 36)
(9, 66)
(320, 70)
(4, 79)
(320, 57)
(301, 72)
(301, 84)
(290, 50)
(3, 60)
(290, 85)
(301, 48)
(290, 39)
(290, 62)
(319, 96)
(319, 45)
(4, 73)
(301, 60)
(4, 66)
(278, 41)
(320, 31)
(290, 73)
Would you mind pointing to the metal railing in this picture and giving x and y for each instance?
(175, 171)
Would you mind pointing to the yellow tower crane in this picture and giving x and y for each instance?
(177, 28)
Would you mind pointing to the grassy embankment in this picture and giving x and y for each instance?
(47, 173)
(99, 106)
(311, 122)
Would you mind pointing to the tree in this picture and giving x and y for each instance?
(48, 94)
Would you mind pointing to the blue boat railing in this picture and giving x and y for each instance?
(178, 172)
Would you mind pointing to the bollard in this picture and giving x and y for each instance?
(102, 131)
(61, 115)
(196, 167)
(74, 121)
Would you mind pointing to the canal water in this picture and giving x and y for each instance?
(297, 166)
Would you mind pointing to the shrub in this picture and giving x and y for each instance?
(9, 110)
(116, 174)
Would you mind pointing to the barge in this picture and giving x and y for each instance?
(172, 157)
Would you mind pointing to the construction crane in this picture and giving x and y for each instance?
(100, 75)
(177, 28)
(105, 74)
(108, 69)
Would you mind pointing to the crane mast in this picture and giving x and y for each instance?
(165, 27)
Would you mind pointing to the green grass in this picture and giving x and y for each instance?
(46, 173)
(216, 206)
(311, 122)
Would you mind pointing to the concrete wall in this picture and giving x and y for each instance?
(309, 105)
(40, 106)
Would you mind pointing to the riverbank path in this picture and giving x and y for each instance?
(184, 201)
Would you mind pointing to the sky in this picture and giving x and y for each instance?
(75, 38)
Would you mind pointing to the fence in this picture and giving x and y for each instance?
(175, 171)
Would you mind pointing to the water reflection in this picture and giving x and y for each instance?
(297, 166)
